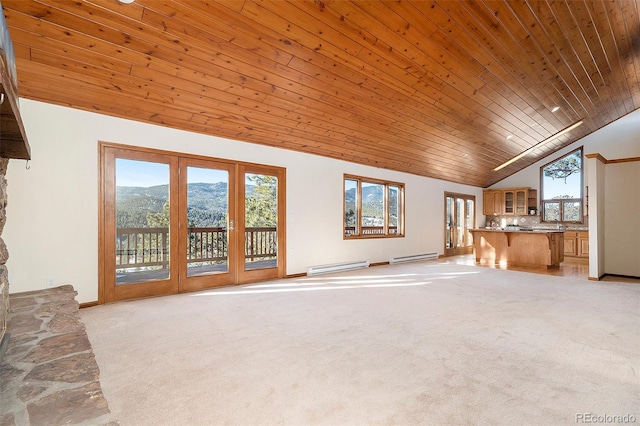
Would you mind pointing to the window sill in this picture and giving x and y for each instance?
(368, 237)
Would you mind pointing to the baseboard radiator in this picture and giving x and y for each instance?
(413, 258)
(337, 267)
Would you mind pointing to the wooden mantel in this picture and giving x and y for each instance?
(13, 138)
(534, 249)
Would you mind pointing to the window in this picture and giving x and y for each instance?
(561, 189)
(373, 208)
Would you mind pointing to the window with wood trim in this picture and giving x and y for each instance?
(373, 208)
(561, 189)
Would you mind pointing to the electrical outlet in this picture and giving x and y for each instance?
(51, 282)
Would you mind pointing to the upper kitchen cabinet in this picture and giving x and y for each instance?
(492, 202)
(509, 201)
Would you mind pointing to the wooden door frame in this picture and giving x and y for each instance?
(280, 270)
(105, 174)
(108, 155)
(467, 249)
(186, 283)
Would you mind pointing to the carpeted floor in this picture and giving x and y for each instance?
(419, 343)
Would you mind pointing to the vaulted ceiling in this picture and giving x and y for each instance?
(444, 89)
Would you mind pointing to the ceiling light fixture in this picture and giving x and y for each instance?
(555, 108)
(509, 137)
(126, 1)
(538, 145)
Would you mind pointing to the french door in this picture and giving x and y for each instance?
(460, 217)
(172, 223)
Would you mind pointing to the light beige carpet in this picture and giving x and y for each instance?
(420, 343)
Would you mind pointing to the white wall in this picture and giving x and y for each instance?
(597, 253)
(621, 224)
(52, 211)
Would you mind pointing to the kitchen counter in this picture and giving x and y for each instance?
(520, 230)
(540, 248)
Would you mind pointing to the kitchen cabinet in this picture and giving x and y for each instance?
(532, 201)
(492, 202)
(576, 244)
(508, 198)
(509, 201)
(515, 201)
(521, 197)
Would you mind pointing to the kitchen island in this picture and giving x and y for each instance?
(533, 249)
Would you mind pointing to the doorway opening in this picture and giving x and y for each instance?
(459, 218)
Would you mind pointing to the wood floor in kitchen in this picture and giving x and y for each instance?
(571, 267)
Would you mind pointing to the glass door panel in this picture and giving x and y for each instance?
(207, 215)
(521, 202)
(449, 221)
(261, 221)
(138, 226)
(142, 251)
(460, 223)
(261, 218)
(207, 221)
(469, 223)
(508, 202)
(459, 219)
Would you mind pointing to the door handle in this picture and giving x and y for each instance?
(231, 225)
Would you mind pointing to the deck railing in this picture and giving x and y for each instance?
(207, 244)
(260, 243)
(143, 247)
(370, 230)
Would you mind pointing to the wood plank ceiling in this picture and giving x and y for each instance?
(431, 88)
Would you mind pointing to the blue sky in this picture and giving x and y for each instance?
(557, 187)
(141, 173)
(146, 174)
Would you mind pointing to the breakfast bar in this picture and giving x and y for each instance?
(534, 249)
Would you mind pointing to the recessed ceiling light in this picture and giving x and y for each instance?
(126, 1)
(509, 137)
(555, 108)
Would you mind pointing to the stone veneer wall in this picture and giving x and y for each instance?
(4, 254)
